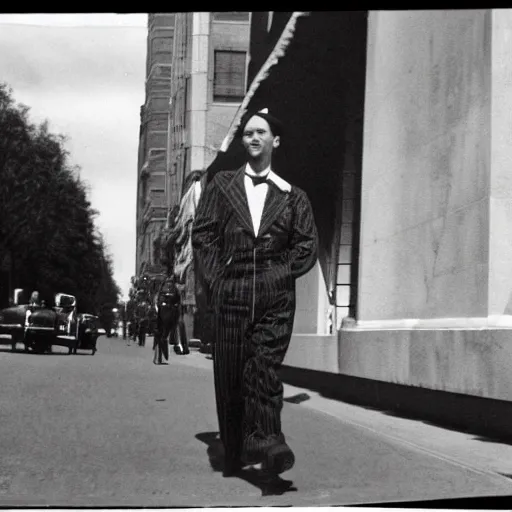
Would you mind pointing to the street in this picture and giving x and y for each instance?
(115, 429)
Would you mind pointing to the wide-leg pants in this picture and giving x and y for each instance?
(254, 321)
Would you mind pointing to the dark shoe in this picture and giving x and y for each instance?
(276, 487)
(278, 459)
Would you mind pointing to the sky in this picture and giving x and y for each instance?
(85, 74)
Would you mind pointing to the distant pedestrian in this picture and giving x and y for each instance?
(254, 235)
(141, 320)
(168, 305)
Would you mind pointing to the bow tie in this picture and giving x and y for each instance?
(258, 180)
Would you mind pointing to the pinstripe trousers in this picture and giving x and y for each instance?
(254, 308)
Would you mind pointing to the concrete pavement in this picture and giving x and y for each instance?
(114, 429)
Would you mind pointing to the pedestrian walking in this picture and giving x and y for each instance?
(254, 235)
(168, 306)
(141, 319)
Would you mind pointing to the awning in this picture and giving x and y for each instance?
(230, 156)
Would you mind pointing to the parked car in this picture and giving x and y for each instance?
(40, 326)
(12, 320)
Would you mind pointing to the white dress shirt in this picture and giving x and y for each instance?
(256, 195)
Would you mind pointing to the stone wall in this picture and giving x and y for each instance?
(426, 167)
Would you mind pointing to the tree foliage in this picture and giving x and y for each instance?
(47, 233)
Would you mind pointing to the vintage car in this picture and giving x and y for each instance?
(12, 320)
(39, 327)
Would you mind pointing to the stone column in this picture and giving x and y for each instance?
(500, 186)
(199, 88)
(435, 285)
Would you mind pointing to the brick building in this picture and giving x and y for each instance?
(209, 80)
(196, 78)
(152, 158)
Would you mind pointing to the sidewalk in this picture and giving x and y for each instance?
(468, 451)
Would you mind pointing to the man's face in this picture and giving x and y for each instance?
(258, 139)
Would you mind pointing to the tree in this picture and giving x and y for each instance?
(47, 225)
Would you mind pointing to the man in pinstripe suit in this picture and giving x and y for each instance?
(254, 234)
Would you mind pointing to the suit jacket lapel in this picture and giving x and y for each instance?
(234, 191)
(274, 204)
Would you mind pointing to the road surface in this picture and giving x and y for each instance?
(114, 429)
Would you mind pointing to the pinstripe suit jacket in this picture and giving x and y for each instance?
(223, 234)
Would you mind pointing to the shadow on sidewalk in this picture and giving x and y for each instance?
(215, 452)
(484, 418)
(297, 399)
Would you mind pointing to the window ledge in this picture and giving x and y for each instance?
(234, 104)
(233, 22)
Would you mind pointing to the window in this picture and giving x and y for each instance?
(231, 16)
(229, 76)
(157, 196)
(346, 288)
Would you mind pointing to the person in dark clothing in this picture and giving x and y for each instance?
(142, 312)
(168, 303)
(254, 234)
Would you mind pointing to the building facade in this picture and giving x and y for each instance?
(152, 157)
(197, 78)
(208, 83)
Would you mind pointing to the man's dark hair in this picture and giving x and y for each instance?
(276, 127)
